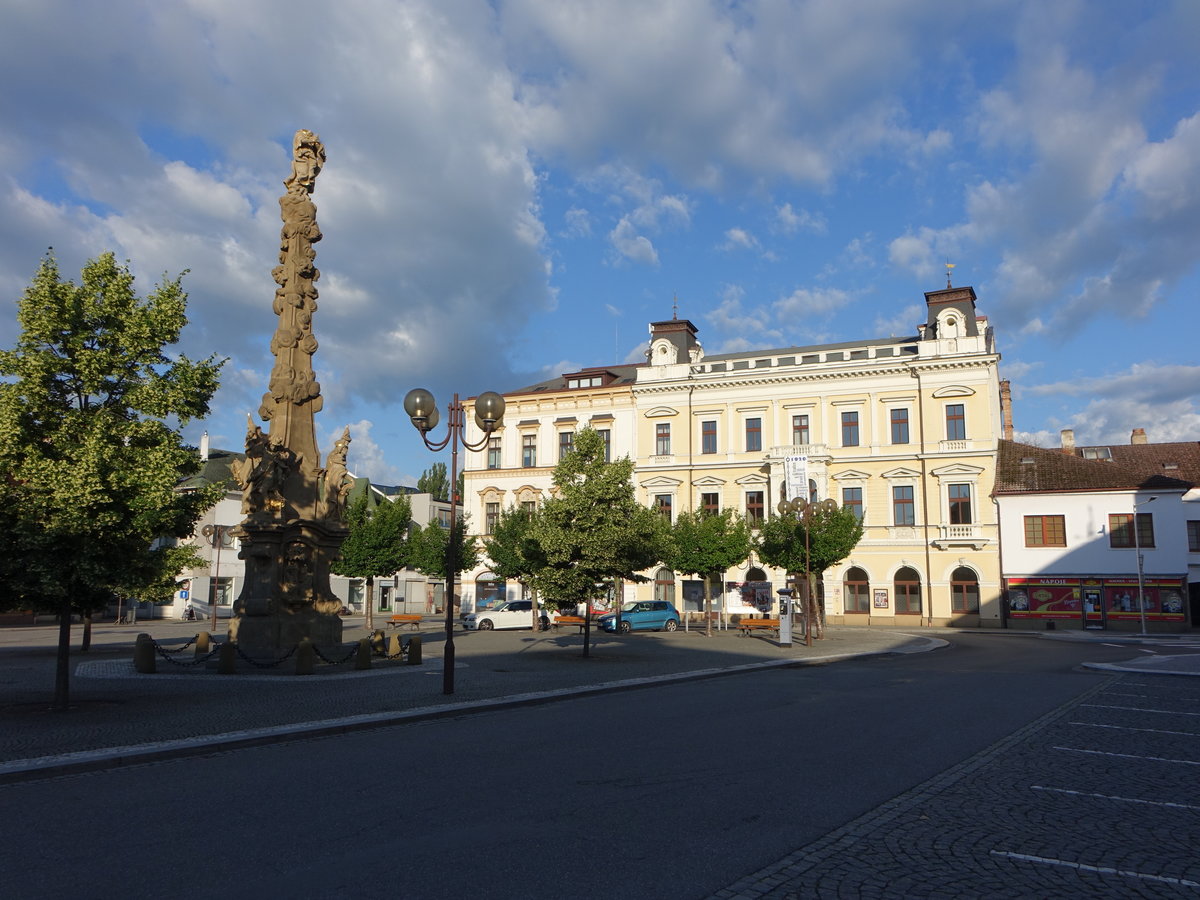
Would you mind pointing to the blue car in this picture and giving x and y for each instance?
(643, 615)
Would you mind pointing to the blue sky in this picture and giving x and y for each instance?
(516, 189)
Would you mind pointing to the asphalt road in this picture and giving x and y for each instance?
(688, 790)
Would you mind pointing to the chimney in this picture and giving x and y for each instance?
(204, 446)
(1068, 441)
(1006, 409)
(1138, 436)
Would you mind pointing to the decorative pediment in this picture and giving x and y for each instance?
(709, 481)
(954, 390)
(661, 481)
(957, 470)
(660, 411)
(851, 475)
(752, 478)
(902, 472)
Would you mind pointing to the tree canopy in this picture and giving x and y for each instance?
(377, 545)
(704, 544)
(427, 547)
(90, 451)
(435, 481)
(594, 529)
(833, 532)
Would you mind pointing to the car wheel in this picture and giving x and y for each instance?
(625, 627)
(671, 625)
(485, 625)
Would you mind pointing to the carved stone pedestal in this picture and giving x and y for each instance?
(286, 595)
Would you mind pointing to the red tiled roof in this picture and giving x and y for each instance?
(1023, 468)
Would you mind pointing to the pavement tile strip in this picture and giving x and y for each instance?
(984, 828)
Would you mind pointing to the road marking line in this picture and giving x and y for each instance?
(1131, 728)
(1038, 787)
(1184, 762)
(1103, 870)
(1165, 712)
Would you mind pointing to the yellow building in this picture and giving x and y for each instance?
(902, 430)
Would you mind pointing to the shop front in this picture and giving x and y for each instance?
(1095, 602)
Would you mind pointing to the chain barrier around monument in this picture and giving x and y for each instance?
(146, 649)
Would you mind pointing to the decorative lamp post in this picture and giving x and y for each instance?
(218, 536)
(1137, 547)
(422, 410)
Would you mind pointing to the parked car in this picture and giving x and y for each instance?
(513, 614)
(643, 615)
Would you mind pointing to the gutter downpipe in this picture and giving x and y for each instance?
(924, 500)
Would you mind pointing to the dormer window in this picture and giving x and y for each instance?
(589, 379)
(1097, 453)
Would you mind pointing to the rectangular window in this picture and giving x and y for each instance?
(852, 500)
(529, 450)
(1193, 536)
(662, 502)
(899, 426)
(960, 504)
(529, 506)
(849, 429)
(491, 514)
(754, 506)
(1120, 530)
(710, 504)
(753, 435)
(799, 430)
(956, 422)
(903, 510)
(708, 437)
(1045, 531)
(493, 456)
(662, 439)
(566, 443)
(606, 436)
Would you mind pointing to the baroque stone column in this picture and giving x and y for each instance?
(294, 521)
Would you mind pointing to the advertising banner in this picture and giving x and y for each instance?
(1043, 598)
(796, 476)
(1164, 598)
(1094, 598)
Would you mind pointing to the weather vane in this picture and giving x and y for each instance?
(949, 266)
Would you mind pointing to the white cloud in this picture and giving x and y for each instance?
(903, 323)
(789, 221)
(631, 245)
(738, 239)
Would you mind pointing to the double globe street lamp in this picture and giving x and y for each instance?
(422, 410)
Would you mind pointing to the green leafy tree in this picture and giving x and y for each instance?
(435, 481)
(594, 530)
(513, 551)
(832, 534)
(706, 544)
(428, 547)
(377, 545)
(90, 452)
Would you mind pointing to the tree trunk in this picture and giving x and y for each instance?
(62, 671)
(86, 644)
(708, 606)
(587, 627)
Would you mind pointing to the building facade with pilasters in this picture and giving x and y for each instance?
(902, 430)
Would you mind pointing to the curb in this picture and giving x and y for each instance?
(84, 761)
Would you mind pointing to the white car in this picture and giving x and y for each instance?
(513, 614)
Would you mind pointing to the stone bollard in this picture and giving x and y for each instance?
(144, 655)
(378, 641)
(395, 647)
(414, 650)
(203, 644)
(362, 659)
(227, 660)
(306, 657)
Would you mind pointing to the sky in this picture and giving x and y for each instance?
(515, 189)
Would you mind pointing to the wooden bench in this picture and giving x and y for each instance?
(569, 621)
(411, 619)
(745, 626)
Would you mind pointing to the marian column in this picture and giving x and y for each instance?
(293, 506)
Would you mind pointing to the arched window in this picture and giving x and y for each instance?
(664, 585)
(856, 588)
(964, 591)
(755, 574)
(908, 591)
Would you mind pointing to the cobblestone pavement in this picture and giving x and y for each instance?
(1100, 798)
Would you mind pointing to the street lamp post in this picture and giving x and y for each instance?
(422, 410)
(1137, 547)
(217, 535)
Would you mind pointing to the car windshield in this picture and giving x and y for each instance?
(631, 606)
